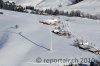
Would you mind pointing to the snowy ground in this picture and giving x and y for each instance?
(15, 50)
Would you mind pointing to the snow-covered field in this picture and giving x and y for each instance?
(30, 42)
(16, 50)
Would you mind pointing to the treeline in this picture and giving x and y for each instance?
(72, 13)
(30, 9)
(9, 5)
(77, 1)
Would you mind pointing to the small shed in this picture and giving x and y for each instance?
(97, 52)
(50, 22)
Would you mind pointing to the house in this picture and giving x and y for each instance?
(50, 22)
(61, 32)
(97, 52)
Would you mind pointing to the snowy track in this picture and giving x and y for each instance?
(34, 42)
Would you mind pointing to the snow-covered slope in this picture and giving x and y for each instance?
(54, 3)
(87, 6)
(16, 50)
(26, 2)
(44, 3)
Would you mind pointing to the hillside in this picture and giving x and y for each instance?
(43, 3)
(16, 50)
(27, 40)
(87, 6)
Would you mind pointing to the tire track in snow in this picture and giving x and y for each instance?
(33, 42)
(40, 3)
(5, 38)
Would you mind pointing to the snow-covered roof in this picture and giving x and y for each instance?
(97, 51)
(56, 30)
(83, 42)
(51, 21)
(86, 43)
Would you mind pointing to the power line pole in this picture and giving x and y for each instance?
(51, 48)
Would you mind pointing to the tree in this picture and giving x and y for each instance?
(30, 7)
(72, 13)
(9, 6)
(77, 1)
(1, 3)
(61, 13)
(78, 13)
(49, 11)
(66, 13)
(12, 6)
(56, 12)
(20, 8)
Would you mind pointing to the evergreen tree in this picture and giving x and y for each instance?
(1, 3)
(78, 13)
(77, 1)
(72, 13)
(56, 12)
(30, 7)
(61, 13)
(49, 11)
